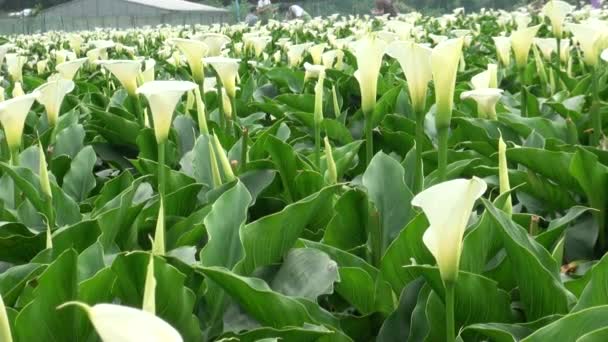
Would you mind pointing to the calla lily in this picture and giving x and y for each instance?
(589, 38)
(448, 206)
(486, 99)
(401, 28)
(415, 63)
(313, 71)
(227, 70)
(437, 39)
(564, 52)
(42, 66)
(122, 323)
(331, 175)
(295, 54)
(43, 174)
(333, 59)
(18, 90)
(51, 97)
(126, 71)
(69, 69)
(13, 113)
(149, 301)
(194, 51)
(487, 78)
(557, 11)
(147, 75)
(5, 328)
(14, 63)
(369, 52)
(503, 174)
(163, 97)
(546, 46)
(215, 42)
(258, 44)
(316, 53)
(521, 41)
(4, 50)
(503, 49)
(76, 42)
(445, 58)
(227, 105)
(522, 20)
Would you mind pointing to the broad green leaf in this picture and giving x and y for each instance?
(79, 180)
(595, 293)
(572, 326)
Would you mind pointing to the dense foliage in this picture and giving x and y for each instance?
(345, 179)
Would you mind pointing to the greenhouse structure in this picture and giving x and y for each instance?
(91, 14)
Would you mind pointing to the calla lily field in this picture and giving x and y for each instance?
(346, 178)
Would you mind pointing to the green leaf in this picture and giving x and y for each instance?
(55, 286)
(595, 293)
(347, 230)
(572, 326)
(79, 180)
(386, 188)
(266, 240)
(536, 273)
(306, 273)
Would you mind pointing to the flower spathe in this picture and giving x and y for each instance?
(227, 69)
(215, 42)
(51, 97)
(369, 52)
(68, 70)
(163, 97)
(503, 49)
(448, 206)
(589, 39)
(13, 113)
(116, 323)
(14, 63)
(486, 99)
(415, 62)
(521, 41)
(316, 52)
(557, 11)
(126, 71)
(445, 58)
(295, 54)
(194, 50)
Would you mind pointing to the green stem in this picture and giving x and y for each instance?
(244, 146)
(15, 162)
(161, 169)
(317, 145)
(233, 117)
(369, 138)
(524, 92)
(220, 104)
(138, 111)
(419, 173)
(596, 117)
(559, 64)
(449, 312)
(442, 153)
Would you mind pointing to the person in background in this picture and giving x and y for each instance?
(251, 19)
(385, 7)
(265, 10)
(295, 12)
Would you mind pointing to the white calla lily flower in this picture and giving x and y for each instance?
(194, 51)
(15, 63)
(116, 323)
(227, 69)
(486, 99)
(5, 328)
(4, 48)
(589, 37)
(147, 75)
(445, 59)
(13, 113)
(69, 69)
(369, 52)
(51, 97)
(546, 46)
(503, 50)
(557, 11)
(333, 59)
(163, 97)
(313, 70)
(415, 63)
(316, 52)
(521, 41)
(448, 207)
(126, 71)
(215, 42)
(295, 54)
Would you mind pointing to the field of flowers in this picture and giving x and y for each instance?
(343, 179)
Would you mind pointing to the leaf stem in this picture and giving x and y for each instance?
(317, 145)
(419, 173)
(449, 312)
(596, 118)
(524, 93)
(15, 162)
(138, 111)
(442, 153)
(161, 169)
(369, 138)
(244, 146)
